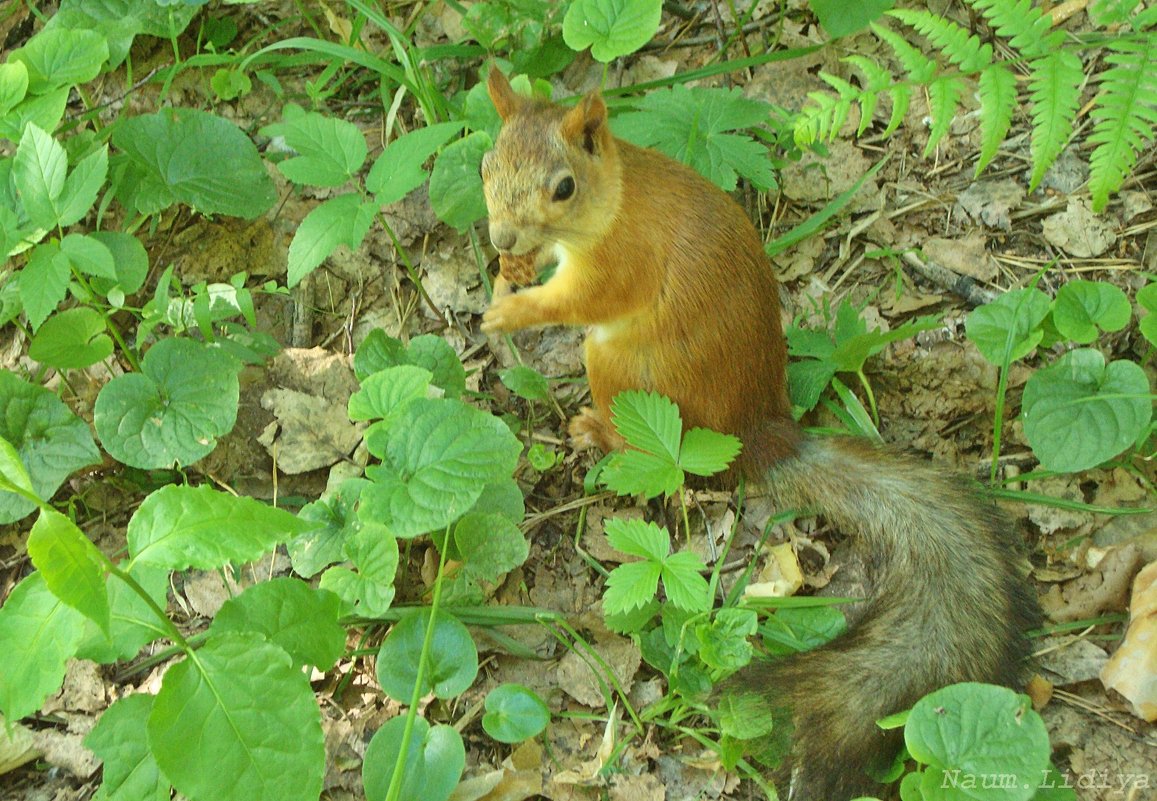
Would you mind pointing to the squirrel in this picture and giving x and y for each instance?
(669, 274)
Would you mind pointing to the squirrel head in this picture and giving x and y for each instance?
(553, 176)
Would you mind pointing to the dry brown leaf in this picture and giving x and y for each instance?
(1103, 588)
(1132, 670)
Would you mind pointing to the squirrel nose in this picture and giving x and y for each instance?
(502, 237)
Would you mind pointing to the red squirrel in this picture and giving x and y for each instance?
(670, 277)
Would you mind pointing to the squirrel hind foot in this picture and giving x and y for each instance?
(588, 429)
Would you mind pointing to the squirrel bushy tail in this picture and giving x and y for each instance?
(948, 605)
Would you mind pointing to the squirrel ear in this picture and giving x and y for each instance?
(506, 100)
(584, 122)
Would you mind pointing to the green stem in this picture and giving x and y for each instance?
(998, 421)
(397, 778)
(870, 395)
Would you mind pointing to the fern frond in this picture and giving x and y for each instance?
(1027, 29)
(848, 95)
(1054, 88)
(876, 79)
(961, 48)
(997, 90)
(919, 67)
(943, 97)
(815, 120)
(1124, 115)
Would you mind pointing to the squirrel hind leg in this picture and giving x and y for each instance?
(590, 429)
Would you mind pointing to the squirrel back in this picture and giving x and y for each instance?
(670, 275)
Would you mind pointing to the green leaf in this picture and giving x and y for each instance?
(1124, 119)
(73, 339)
(433, 765)
(502, 497)
(706, 452)
(385, 393)
(13, 476)
(1055, 83)
(71, 565)
(134, 622)
(290, 614)
(695, 126)
(121, 741)
(119, 21)
(13, 85)
(43, 282)
(455, 183)
(967, 733)
(451, 664)
(181, 527)
(44, 111)
(724, 643)
(129, 257)
(184, 155)
(1147, 300)
(525, 382)
(88, 255)
(631, 586)
(841, 18)
(329, 151)
(998, 101)
(82, 186)
(343, 220)
(635, 472)
(684, 583)
(1009, 327)
(807, 380)
(60, 57)
(379, 352)
(648, 421)
(610, 28)
(1082, 307)
(436, 460)
(795, 629)
(39, 170)
(369, 592)
(43, 632)
(1078, 412)
(173, 410)
(51, 441)
(335, 522)
(514, 713)
(638, 538)
(399, 171)
(490, 545)
(256, 724)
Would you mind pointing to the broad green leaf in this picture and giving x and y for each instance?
(180, 527)
(611, 28)
(120, 740)
(724, 643)
(43, 282)
(39, 170)
(806, 381)
(1010, 327)
(13, 85)
(73, 339)
(696, 127)
(433, 765)
(514, 713)
(82, 186)
(42, 632)
(1078, 412)
(685, 586)
(330, 151)
(44, 111)
(369, 591)
(455, 183)
(398, 170)
(51, 441)
(649, 422)
(13, 476)
(343, 220)
(1147, 300)
(119, 21)
(71, 565)
(173, 410)
(451, 664)
(841, 18)
(1082, 307)
(525, 382)
(971, 731)
(379, 351)
(129, 257)
(254, 718)
(196, 158)
(435, 462)
(503, 498)
(706, 452)
(797, 629)
(89, 256)
(335, 522)
(631, 586)
(134, 622)
(385, 393)
(489, 545)
(60, 57)
(634, 472)
(638, 538)
(290, 614)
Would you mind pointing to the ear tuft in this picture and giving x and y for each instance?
(584, 122)
(506, 101)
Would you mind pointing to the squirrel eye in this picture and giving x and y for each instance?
(564, 189)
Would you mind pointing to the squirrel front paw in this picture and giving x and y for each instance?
(509, 313)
